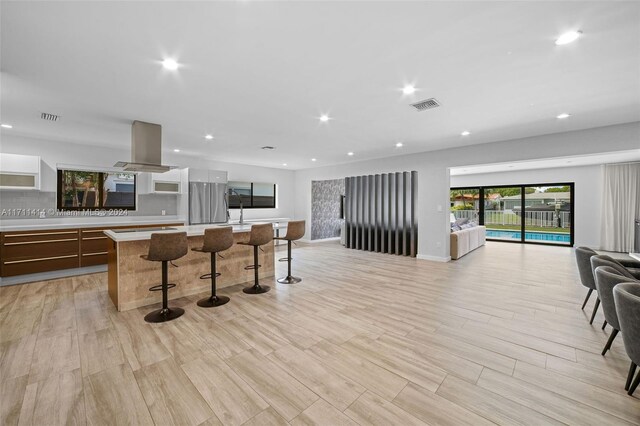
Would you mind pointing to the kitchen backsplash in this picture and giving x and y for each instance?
(21, 204)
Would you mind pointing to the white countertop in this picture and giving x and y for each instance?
(7, 225)
(269, 220)
(191, 230)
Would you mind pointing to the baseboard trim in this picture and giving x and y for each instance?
(433, 258)
(322, 240)
(51, 275)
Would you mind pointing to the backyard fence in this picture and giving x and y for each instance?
(508, 217)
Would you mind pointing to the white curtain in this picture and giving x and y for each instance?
(620, 206)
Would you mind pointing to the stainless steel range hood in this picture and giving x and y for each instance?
(146, 149)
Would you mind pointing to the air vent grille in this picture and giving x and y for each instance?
(268, 147)
(49, 117)
(426, 104)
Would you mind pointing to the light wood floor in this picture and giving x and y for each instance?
(496, 337)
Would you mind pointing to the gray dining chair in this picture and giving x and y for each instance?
(583, 259)
(627, 300)
(623, 268)
(604, 260)
(606, 279)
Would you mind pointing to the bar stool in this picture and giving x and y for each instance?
(164, 248)
(215, 241)
(260, 235)
(295, 231)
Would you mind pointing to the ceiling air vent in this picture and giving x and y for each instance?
(49, 117)
(268, 147)
(426, 104)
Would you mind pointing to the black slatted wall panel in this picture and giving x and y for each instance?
(380, 213)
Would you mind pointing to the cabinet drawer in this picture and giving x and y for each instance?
(92, 259)
(30, 266)
(38, 249)
(99, 244)
(36, 236)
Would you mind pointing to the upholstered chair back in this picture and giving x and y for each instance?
(167, 246)
(583, 259)
(603, 260)
(627, 300)
(261, 234)
(606, 279)
(217, 239)
(295, 230)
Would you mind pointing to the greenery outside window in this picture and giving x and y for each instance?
(89, 190)
(254, 195)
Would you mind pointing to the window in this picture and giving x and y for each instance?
(252, 194)
(538, 213)
(88, 190)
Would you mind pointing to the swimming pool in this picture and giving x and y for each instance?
(530, 236)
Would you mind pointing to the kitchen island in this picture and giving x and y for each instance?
(130, 276)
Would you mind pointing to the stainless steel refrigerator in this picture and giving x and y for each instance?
(207, 199)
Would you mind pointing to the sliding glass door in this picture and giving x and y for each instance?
(536, 214)
(501, 213)
(547, 214)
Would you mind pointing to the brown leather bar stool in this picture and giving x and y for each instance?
(164, 248)
(215, 241)
(295, 231)
(260, 235)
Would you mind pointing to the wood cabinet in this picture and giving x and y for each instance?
(29, 252)
(93, 247)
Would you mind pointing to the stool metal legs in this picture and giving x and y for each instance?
(289, 279)
(213, 300)
(256, 288)
(165, 313)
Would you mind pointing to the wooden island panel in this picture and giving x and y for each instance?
(130, 276)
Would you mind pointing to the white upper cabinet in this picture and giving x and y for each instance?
(167, 182)
(19, 172)
(217, 176)
(210, 176)
(198, 175)
(160, 183)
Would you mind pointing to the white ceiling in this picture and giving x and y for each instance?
(260, 73)
(550, 163)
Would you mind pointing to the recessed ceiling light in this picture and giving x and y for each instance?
(465, 133)
(409, 89)
(563, 115)
(208, 137)
(324, 118)
(284, 164)
(349, 154)
(176, 150)
(568, 37)
(170, 64)
(6, 126)
(399, 145)
(313, 159)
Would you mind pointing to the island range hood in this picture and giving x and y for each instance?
(146, 149)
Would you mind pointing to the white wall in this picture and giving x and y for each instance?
(588, 193)
(53, 153)
(433, 173)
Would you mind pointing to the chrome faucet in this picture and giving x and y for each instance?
(232, 192)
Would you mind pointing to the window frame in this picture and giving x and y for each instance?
(251, 206)
(481, 210)
(100, 206)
